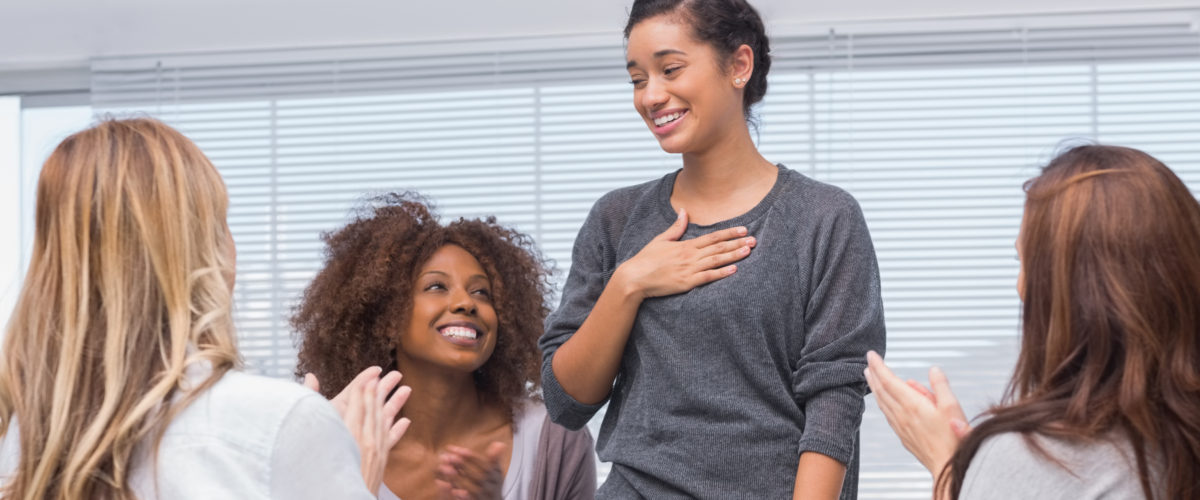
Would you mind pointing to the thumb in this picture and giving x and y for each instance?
(677, 228)
(311, 382)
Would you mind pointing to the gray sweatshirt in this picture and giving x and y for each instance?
(721, 388)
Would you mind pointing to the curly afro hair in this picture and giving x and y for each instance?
(349, 316)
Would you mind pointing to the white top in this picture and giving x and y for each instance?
(248, 437)
(1006, 467)
(527, 431)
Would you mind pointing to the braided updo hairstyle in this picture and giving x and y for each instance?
(725, 25)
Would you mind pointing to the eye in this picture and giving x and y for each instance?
(672, 70)
(483, 292)
(436, 285)
(637, 82)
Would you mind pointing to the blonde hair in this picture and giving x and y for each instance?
(127, 287)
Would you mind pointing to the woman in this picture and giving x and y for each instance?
(119, 372)
(1105, 399)
(724, 309)
(458, 308)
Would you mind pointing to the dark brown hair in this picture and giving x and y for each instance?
(1110, 248)
(723, 24)
(351, 314)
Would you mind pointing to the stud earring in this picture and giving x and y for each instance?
(737, 81)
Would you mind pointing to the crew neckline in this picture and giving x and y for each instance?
(668, 212)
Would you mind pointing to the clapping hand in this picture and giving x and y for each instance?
(370, 415)
(930, 423)
(466, 475)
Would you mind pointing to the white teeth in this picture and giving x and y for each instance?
(665, 119)
(461, 332)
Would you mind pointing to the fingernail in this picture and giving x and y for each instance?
(741, 231)
(750, 241)
(730, 270)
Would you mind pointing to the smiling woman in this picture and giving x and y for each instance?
(725, 308)
(458, 309)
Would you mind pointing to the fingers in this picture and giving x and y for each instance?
(721, 259)
(397, 431)
(368, 374)
(940, 385)
(372, 423)
(718, 236)
(727, 246)
(354, 411)
(396, 402)
(960, 428)
(677, 228)
(921, 389)
(311, 382)
(711, 275)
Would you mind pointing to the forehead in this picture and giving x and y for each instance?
(453, 259)
(661, 33)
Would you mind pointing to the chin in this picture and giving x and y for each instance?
(672, 145)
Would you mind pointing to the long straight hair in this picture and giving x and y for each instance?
(127, 287)
(1110, 250)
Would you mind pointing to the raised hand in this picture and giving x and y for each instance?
(929, 423)
(370, 415)
(466, 475)
(667, 266)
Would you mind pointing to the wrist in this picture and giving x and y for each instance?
(625, 286)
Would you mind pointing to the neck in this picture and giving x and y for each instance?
(730, 165)
(444, 405)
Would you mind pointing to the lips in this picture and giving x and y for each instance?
(666, 120)
(460, 333)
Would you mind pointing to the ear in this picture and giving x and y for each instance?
(741, 66)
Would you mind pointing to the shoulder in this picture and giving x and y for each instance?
(627, 196)
(813, 196)
(1012, 464)
(245, 412)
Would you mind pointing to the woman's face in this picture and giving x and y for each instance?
(680, 87)
(453, 322)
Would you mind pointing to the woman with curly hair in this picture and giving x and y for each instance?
(458, 309)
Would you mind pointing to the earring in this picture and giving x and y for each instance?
(737, 81)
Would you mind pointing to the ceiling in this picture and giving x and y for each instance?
(58, 33)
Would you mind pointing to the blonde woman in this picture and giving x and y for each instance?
(118, 378)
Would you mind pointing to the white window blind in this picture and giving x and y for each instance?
(933, 132)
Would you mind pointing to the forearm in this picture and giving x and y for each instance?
(587, 363)
(818, 477)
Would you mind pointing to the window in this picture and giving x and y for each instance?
(932, 131)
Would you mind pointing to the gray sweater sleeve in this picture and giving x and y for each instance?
(592, 264)
(843, 320)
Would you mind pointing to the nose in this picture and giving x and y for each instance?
(653, 96)
(462, 303)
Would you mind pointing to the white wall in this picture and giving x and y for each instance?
(10, 203)
(40, 33)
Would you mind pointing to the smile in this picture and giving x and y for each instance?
(669, 118)
(459, 332)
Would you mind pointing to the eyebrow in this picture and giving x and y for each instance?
(443, 273)
(657, 55)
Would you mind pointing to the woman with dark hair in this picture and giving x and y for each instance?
(458, 309)
(1105, 398)
(724, 310)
